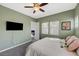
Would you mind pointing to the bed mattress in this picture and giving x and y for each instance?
(48, 47)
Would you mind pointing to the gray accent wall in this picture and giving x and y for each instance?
(63, 16)
(13, 38)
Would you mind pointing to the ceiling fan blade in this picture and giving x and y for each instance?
(41, 10)
(34, 11)
(28, 6)
(43, 4)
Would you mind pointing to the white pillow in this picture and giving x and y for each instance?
(77, 51)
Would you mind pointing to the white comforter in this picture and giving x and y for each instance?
(47, 47)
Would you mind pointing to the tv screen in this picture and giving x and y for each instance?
(14, 26)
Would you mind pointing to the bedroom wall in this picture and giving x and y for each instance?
(63, 16)
(77, 20)
(12, 38)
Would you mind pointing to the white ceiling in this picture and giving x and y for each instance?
(50, 9)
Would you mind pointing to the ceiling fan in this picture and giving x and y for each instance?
(37, 7)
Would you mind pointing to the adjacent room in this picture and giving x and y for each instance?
(39, 29)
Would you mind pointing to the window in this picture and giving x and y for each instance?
(54, 28)
(45, 28)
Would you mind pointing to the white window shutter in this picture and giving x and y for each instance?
(54, 28)
(45, 28)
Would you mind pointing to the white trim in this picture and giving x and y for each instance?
(14, 46)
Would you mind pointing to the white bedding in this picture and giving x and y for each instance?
(47, 47)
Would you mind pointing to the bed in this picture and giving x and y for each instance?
(48, 47)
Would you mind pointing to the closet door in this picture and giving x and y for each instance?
(35, 26)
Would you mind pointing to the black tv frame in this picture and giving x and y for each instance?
(13, 26)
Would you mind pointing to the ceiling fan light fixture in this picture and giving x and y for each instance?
(37, 8)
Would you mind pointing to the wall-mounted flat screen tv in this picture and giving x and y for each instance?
(14, 26)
